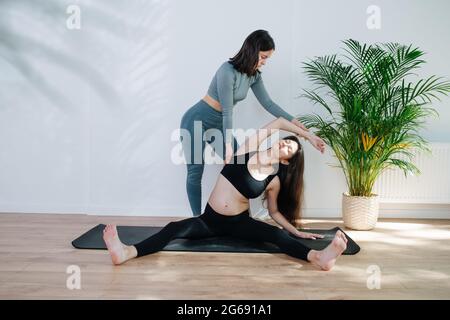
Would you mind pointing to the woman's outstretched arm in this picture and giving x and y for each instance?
(253, 142)
(272, 194)
(315, 141)
(289, 126)
(264, 99)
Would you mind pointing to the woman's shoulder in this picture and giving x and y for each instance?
(226, 71)
(257, 76)
(274, 183)
(227, 66)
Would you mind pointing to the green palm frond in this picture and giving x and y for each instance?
(379, 112)
(315, 98)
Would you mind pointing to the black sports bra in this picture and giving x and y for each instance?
(237, 173)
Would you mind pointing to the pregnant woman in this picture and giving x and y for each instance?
(277, 172)
(229, 85)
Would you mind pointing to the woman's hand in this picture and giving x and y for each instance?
(299, 124)
(228, 152)
(307, 235)
(316, 142)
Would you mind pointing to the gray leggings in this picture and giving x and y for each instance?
(194, 146)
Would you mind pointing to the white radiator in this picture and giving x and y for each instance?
(431, 186)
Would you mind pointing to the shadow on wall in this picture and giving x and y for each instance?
(32, 30)
(119, 50)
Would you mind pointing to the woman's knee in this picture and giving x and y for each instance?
(186, 227)
(176, 227)
(272, 233)
(195, 173)
(173, 225)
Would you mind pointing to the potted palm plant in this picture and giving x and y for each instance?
(373, 114)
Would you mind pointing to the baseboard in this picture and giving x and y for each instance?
(98, 210)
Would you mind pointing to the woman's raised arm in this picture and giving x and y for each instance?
(253, 142)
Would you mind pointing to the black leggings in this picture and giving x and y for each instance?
(211, 224)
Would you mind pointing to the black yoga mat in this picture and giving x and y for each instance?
(129, 235)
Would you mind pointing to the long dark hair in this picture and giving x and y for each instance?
(247, 58)
(290, 197)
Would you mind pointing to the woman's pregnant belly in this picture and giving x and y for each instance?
(225, 199)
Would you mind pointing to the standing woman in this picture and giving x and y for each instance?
(229, 85)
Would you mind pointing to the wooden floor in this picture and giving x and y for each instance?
(413, 257)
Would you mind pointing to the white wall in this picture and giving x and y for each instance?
(86, 116)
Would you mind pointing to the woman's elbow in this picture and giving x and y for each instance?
(272, 213)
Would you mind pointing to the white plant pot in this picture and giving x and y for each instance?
(360, 213)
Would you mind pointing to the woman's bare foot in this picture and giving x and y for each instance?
(118, 251)
(326, 258)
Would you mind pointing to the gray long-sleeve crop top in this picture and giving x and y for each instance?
(230, 86)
